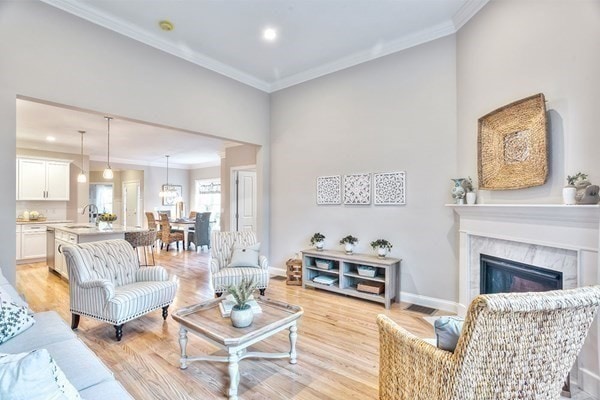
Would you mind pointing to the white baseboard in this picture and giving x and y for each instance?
(277, 271)
(430, 302)
(589, 382)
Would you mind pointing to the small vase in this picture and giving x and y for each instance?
(458, 191)
(349, 247)
(241, 318)
(382, 252)
(471, 198)
(569, 193)
(319, 245)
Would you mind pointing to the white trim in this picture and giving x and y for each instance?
(588, 382)
(431, 302)
(467, 11)
(277, 271)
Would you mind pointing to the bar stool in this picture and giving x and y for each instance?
(145, 240)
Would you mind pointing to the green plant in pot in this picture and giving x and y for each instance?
(570, 191)
(241, 313)
(317, 240)
(349, 242)
(382, 247)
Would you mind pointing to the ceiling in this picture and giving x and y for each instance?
(314, 37)
(131, 142)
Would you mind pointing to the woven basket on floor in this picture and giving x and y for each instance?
(512, 146)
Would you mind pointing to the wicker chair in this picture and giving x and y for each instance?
(513, 346)
(222, 276)
(143, 239)
(167, 235)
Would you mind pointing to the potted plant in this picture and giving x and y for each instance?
(570, 190)
(471, 194)
(317, 240)
(382, 246)
(349, 242)
(241, 313)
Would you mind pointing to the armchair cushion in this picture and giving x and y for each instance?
(447, 332)
(132, 301)
(245, 255)
(232, 276)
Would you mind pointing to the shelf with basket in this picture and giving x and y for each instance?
(359, 275)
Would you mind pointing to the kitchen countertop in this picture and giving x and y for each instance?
(45, 222)
(91, 229)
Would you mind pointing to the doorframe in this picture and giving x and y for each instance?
(139, 201)
(233, 192)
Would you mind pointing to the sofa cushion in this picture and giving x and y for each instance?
(131, 301)
(49, 328)
(106, 390)
(245, 255)
(14, 319)
(29, 376)
(8, 293)
(80, 365)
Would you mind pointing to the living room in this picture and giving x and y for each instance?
(415, 110)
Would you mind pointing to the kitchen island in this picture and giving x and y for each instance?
(68, 234)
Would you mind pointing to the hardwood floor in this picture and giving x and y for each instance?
(337, 345)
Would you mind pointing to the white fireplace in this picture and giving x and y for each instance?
(554, 237)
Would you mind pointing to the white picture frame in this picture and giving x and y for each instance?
(357, 189)
(389, 188)
(329, 190)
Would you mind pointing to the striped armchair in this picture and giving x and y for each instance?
(221, 276)
(512, 346)
(106, 283)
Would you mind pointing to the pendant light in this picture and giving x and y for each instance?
(168, 192)
(81, 178)
(108, 173)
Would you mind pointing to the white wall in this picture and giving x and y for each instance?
(397, 113)
(513, 49)
(51, 55)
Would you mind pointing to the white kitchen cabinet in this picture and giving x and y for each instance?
(40, 179)
(33, 242)
(62, 238)
(18, 257)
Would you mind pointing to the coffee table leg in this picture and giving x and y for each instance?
(183, 344)
(234, 375)
(293, 336)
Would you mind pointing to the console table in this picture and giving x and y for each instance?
(345, 269)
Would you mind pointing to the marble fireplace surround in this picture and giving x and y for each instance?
(557, 237)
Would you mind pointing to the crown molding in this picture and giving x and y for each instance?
(415, 39)
(83, 11)
(467, 11)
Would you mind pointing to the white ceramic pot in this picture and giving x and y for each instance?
(471, 198)
(382, 252)
(569, 193)
(241, 318)
(319, 245)
(349, 247)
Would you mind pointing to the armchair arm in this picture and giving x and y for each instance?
(147, 274)
(214, 265)
(409, 368)
(103, 286)
(263, 262)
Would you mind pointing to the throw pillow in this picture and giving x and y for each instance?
(245, 256)
(447, 332)
(30, 376)
(14, 319)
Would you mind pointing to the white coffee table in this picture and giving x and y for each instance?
(205, 320)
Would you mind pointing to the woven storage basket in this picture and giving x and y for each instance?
(512, 146)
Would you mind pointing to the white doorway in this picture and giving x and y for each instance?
(131, 203)
(243, 199)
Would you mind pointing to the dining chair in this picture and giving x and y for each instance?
(200, 236)
(167, 235)
(151, 220)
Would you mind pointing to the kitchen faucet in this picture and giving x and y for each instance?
(91, 207)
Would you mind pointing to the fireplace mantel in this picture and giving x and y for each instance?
(586, 214)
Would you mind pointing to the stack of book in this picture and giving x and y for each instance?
(228, 302)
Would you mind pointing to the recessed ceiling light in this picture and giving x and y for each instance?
(270, 34)
(50, 139)
(166, 25)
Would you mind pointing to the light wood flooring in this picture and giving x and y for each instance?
(337, 342)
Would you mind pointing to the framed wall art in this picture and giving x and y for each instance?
(512, 146)
(329, 189)
(357, 189)
(389, 188)
(171, 200)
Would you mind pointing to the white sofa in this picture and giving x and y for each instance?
(80, 365)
